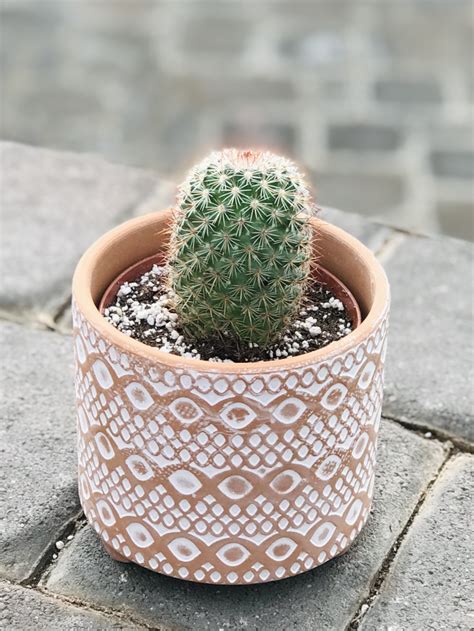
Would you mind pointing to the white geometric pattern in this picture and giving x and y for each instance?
(221, 477)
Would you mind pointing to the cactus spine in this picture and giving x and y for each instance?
(240, 246)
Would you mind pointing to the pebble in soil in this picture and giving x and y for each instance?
(143, 310)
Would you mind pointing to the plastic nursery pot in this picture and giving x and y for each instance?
(320, 275)
(226, 473)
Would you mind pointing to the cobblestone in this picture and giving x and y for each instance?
(431, 583)
(429, 363)
(309, 601)
(38, 448)
(65, 201)
(22, 609)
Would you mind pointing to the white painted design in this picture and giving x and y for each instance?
(354, 512)
(184, 549)
(185, 410)
(361, 444)
(105, 513)
(104, 445)
(366, 376)
(204, 476)
(289, 410)
(139, 467)
(237, 415)
(333, 398)
(80, 350)
(329, 467)
(139, 396)
(82, 419)
(323, 534)
(140, 535)
(84, 489)
(185, 482)
(235, 487)
(102, 374)
(281, 549)
(285, 482)
(233, 554)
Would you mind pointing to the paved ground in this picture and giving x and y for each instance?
(374, 98)
(410, 569)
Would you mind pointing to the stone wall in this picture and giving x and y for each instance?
(375, 98)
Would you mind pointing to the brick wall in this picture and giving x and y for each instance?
(375, 98)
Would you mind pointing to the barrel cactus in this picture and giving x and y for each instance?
(240, 247)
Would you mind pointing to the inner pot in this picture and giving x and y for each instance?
(226, 473)
(319, 275)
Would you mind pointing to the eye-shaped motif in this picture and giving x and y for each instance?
(235, 487)
(285, 481)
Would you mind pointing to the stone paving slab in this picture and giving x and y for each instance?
(54, 205)
(325, 598)
(432, 580)
(161, 197)
(430, 367)
(22, 609)
(37, 449)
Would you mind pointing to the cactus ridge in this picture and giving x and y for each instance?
(240, 248)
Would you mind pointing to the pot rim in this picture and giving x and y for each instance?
(82, 296)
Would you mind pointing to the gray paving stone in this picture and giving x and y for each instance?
(326, 598)
(37, 450)
(53, 206)
(431, 582)
(459, 164)
(364, 137)
(429, 363)
(22, 608)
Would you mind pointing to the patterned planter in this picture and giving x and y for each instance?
(226, 473)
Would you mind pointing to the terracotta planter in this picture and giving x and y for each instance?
(226, 473)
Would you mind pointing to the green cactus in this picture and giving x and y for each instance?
(240, 248)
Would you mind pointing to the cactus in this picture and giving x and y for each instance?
(240, 247)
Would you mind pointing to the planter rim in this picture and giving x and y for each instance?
(82, 296)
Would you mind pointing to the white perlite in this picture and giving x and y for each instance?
(157, 321)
